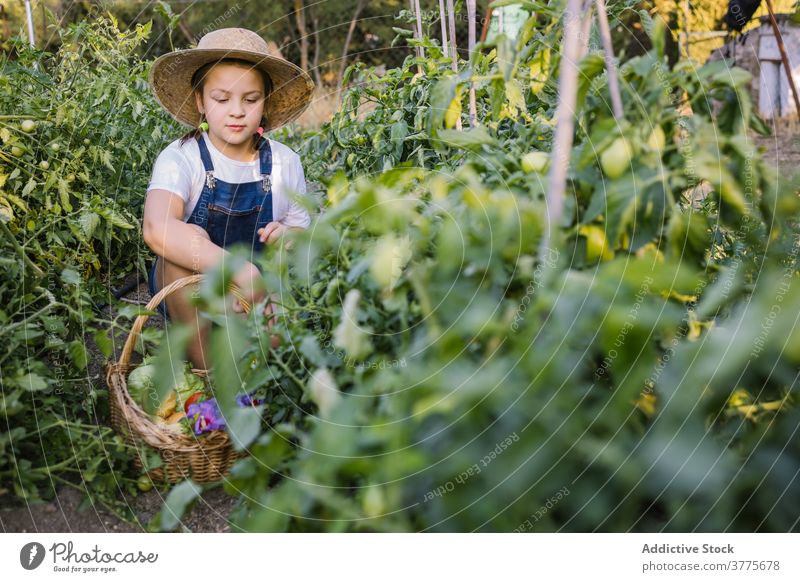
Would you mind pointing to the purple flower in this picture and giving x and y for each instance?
(244, 400)
(206, 416)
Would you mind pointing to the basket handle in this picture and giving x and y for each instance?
(136, 330)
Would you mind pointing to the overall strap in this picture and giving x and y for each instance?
(265, 156)
(207, 164)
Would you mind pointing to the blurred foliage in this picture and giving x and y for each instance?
(636, 376)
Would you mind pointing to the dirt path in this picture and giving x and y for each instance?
(62, 514)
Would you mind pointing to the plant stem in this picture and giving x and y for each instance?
(286, 369)
(38, 273)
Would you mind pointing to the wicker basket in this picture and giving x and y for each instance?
(206, 458)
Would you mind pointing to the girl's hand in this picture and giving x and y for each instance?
(249, 281)
(269, 313)
(272, 232)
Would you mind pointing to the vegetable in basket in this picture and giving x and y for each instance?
(142, 388)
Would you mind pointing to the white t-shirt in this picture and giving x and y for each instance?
(179, 169)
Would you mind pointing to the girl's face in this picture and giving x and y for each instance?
(233, 103)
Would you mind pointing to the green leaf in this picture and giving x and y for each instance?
(727, 287)
(63, 195)
(71, 277)
(524, 4)
(88, 222)
(442, 95)
(29, 187)
(169, 361)
(105, 156)
(6, 212)
(117, 220)
(227, 346)
(398, 135)
(516, 99)
(244, 425)
(103, 342)
(310, 350)
(178, 501)
(589, 68)
(79, 355)
(733, 77)
(31, 382)
(471, 139)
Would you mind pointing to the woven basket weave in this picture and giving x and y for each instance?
(204, 458)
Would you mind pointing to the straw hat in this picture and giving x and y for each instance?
(171, 76)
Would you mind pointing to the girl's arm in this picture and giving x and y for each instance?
(170, 237)
(167, 235)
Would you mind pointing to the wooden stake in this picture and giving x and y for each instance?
(611, 65)
(565, 123)
(414, 5)
(451, 17)
(419, 26)
(487, 20)
(586, 27)
(443, 22)
(473, 106)
(784, 56)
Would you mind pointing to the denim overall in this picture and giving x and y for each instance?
(230, 213)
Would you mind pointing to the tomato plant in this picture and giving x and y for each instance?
(74, 156)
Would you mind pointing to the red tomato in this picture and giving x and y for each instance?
(191, 400)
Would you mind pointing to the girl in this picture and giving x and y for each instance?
(224, 182)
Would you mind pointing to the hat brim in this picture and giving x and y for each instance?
(171, 81)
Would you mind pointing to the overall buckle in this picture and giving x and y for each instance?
(266, 181)
(210, 179)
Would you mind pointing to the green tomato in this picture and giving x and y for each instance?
(55, 146)
(44, 164)
(534, 162)
(17, 151)
(28, 126)
(86, 141)
(657, 139)
(616, 159)
(596, 243)
(373, 502)
(144, 483)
